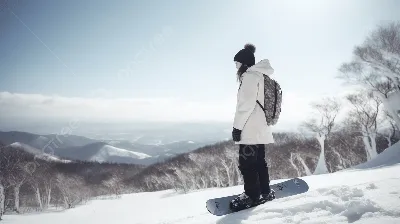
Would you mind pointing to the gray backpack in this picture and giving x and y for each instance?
(272, 100)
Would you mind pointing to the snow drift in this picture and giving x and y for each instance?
(388, 157)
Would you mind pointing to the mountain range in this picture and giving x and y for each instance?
(73, 147)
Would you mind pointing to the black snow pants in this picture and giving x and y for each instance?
(254, 170)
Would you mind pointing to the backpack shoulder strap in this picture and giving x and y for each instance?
(258, 102)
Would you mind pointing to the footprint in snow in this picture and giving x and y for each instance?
(372, 186)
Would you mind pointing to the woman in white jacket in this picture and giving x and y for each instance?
(250, 129)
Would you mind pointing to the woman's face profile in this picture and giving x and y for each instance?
(238, 64)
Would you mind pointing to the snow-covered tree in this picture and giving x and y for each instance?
(365, 114)
(230, 162)
(71, 189)
(17, 175)
(12, 174)
(40, 180)
(322, 124)
(2, 198)
(48, 182)
(3, 171)
(114, 185)
(390, 132)
(297, 157)
(376, 67)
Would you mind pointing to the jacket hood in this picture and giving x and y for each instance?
(263, 67)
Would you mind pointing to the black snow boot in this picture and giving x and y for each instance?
(241, 202)
(267, 197)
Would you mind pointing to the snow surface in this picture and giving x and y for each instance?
(394, 100)
(369, 194)
(108, 151)
(390, 156)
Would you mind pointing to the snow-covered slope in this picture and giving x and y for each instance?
(357, 196)
(38, 153)
(107, 151)
(175, 147)
(103, 152)
(41, 141)
(388, 157)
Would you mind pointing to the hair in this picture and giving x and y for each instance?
(243, 68)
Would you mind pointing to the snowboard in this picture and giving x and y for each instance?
(220, 206)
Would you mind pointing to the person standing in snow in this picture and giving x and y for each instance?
(250, 129)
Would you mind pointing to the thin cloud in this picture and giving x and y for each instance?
(13, 106)
(32, 106)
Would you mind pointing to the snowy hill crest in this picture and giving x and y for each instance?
(106, 152)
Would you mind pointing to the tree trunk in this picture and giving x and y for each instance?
(374, 152)
(16, 198)
(321, 165)
(367, 147)
(67, 205)
(294, 165)
(217, 179)
(228, 174)
(48, 195)
(147, 183)
(195, 184)
(38, 197)
(232, 175)
(341, 164)
(389, 140)
(369, 139)
(308, 172)
(239, 175)
(2, 200)
(203, 181)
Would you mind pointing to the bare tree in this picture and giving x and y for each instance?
(39, 180)
(376, 66)
(70, 187)
(2, 198)
(48, 183)
(114, 185)
(4, 168)
(230, 163)
(232, 155)
(17, 172)
(322, 125)
(17, 179)
(365, 114)
(12, 174)
(297, 157)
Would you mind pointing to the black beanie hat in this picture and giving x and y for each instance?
(246, 55)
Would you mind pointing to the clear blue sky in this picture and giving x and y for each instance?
(103, 52)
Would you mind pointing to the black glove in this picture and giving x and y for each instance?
(236, 133)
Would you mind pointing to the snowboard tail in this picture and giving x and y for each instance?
(220, 206)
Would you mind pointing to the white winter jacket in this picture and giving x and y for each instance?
(249, 116)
